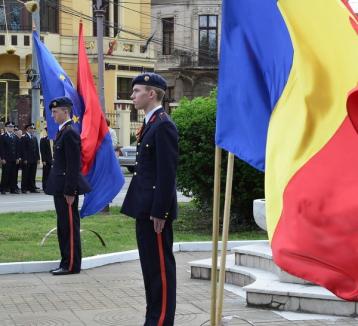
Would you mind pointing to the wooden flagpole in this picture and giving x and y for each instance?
(225, 233)
(216, 213)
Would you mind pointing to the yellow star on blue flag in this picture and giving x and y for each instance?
(75, 119)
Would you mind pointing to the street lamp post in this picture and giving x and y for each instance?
(34, 8)
(99, 14)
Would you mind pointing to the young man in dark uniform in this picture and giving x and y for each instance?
(10, 157)
(18, 133)
(30, 159)
(151, 199)
(65, 183)
(46, 158)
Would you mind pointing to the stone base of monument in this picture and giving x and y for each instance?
(266, 285)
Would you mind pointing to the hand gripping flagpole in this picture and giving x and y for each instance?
(225, 232)
(216, 212)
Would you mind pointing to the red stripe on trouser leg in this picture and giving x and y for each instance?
(164, 279)
(70, 216)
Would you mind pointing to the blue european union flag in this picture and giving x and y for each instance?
(55, 83)
(255, 61)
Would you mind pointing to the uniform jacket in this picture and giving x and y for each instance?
(9, 150)
(65, 177)
(152, 191)
(45, 149)
(30, 149)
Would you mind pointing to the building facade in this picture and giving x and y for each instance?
(186, 37)
(126, 29)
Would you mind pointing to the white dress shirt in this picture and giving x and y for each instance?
(60, 127)
(150, 113)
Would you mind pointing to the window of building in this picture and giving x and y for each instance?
(124, 88)
(49, 16)
(13, 39)
(168, 98)
(26, 40)
(208, 39)
(168, 35)
(19, 19)
(2, 39)
(116, 16)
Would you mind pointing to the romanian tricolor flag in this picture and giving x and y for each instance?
(288, 104)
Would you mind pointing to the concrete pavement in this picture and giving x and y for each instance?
(114, 295)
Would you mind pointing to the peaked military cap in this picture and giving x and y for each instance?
(62, 101)
(150, 79)
(9, 124)
(30, 125)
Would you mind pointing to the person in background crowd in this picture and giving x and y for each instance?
(30, 159)
(112, 132)
(18, 133)
(46, 158)
(9, 158)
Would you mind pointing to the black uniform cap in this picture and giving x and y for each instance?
(150, 79)
(9, 124)
(62, 101)
(30, 125)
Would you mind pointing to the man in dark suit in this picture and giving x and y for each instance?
(65, 183)
(46, 157)
(18, 133)
(10, 158)
(151, 199)
(30, 159)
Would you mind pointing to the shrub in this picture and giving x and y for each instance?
(195, 120)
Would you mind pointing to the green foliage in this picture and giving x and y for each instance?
(195, 120)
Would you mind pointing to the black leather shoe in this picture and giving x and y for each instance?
(14, 192)
(54, 269)
(3, 192)
(63, 271)
(34, 191)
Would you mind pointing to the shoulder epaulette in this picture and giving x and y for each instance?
(163, 116)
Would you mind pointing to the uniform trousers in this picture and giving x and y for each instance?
(45, 173)
(68, 234)
(28, 180)
(8, 177)
(159, 272)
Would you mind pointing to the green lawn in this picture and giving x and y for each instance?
(21, 234)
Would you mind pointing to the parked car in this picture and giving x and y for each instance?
(127, 157)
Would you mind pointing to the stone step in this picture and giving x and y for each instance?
(259, 256)
(264, 289)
